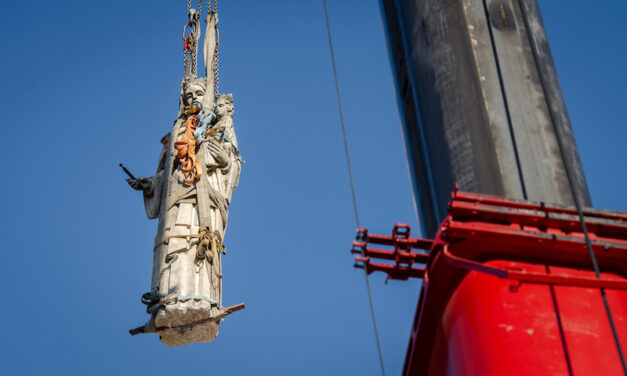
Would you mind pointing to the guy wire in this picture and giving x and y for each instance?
(352, 183)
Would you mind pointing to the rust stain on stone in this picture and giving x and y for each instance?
(503, 15)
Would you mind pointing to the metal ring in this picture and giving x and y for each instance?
(185, 28)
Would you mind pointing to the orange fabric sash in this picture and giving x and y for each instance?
(186, 151)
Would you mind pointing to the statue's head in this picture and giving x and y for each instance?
(224, 105)
(194, 91)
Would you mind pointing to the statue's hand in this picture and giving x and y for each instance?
(219, 154)
(141, 184)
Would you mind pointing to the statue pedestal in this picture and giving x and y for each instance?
(185, 322)
(182, 323)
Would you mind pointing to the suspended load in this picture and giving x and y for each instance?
(198, 169)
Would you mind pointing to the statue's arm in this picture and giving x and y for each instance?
(232, 174)
(229, 145)
(152, 197)
(230, 133)
(232, 177)
(141, 184)
(151, 188)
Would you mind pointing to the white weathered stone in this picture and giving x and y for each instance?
(185, 301)
(187, 278)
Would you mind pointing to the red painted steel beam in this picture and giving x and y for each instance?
(389, 240)
(549, 208)
(482, 241)
(393, 271)
(529, 277)
(401, 256)
(567, 223)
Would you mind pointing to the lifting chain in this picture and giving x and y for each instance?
(216, 59)
(191, 42)
(216, 62)
(189, 5)
(215, 6)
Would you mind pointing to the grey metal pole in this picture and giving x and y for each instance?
(481, 103)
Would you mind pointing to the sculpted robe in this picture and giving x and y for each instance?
(186, 287)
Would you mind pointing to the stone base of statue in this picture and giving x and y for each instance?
(185, 322)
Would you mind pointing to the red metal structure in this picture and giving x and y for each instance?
(509, 289)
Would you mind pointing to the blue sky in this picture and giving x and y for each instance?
(89, 84)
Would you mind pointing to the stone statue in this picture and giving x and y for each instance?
(190, 193)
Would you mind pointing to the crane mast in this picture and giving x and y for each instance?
(515, 262)
(481, 103)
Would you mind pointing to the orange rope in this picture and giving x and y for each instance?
(186, 151)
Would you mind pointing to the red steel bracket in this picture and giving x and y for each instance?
(401, 254)
(481, 228)
(532, 277)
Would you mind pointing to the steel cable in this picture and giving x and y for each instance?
(579, 207)
(352, 183)
(595, 265)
